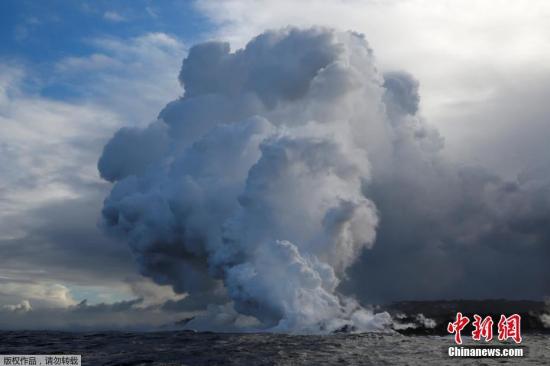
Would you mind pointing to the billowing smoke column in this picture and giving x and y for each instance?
(259, 188)
(249, 187)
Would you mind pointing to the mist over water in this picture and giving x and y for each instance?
(258, 190)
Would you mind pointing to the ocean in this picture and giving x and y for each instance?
(207, 348)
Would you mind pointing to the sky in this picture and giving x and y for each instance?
(72, 73)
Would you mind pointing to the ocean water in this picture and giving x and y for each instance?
(190, 348)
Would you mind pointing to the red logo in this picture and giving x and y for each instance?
(508, 327)
(457, 326)
(482, 328)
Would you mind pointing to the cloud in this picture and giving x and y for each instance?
(152, 294)
(38, 136)
(24, 306)
(293, 177)
(50, 191)
(467, 55)
(113, 16)
(90, 63)
(483, 74)
(45, 295)
(118, 162)
(458, 232)
(122, 72)
(251, 182)
(123, 315)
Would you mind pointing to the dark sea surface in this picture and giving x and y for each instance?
(190, 348)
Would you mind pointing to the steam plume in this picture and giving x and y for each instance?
(259, 187)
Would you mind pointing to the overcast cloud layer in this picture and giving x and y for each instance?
(483, 66)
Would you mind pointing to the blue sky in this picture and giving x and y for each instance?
(43, 31)
(40, 33)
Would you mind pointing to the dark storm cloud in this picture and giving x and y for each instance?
(456, 232)
(62, 239)
(428, 250)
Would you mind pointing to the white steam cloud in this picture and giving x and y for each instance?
(254, 188)
(251, 184)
